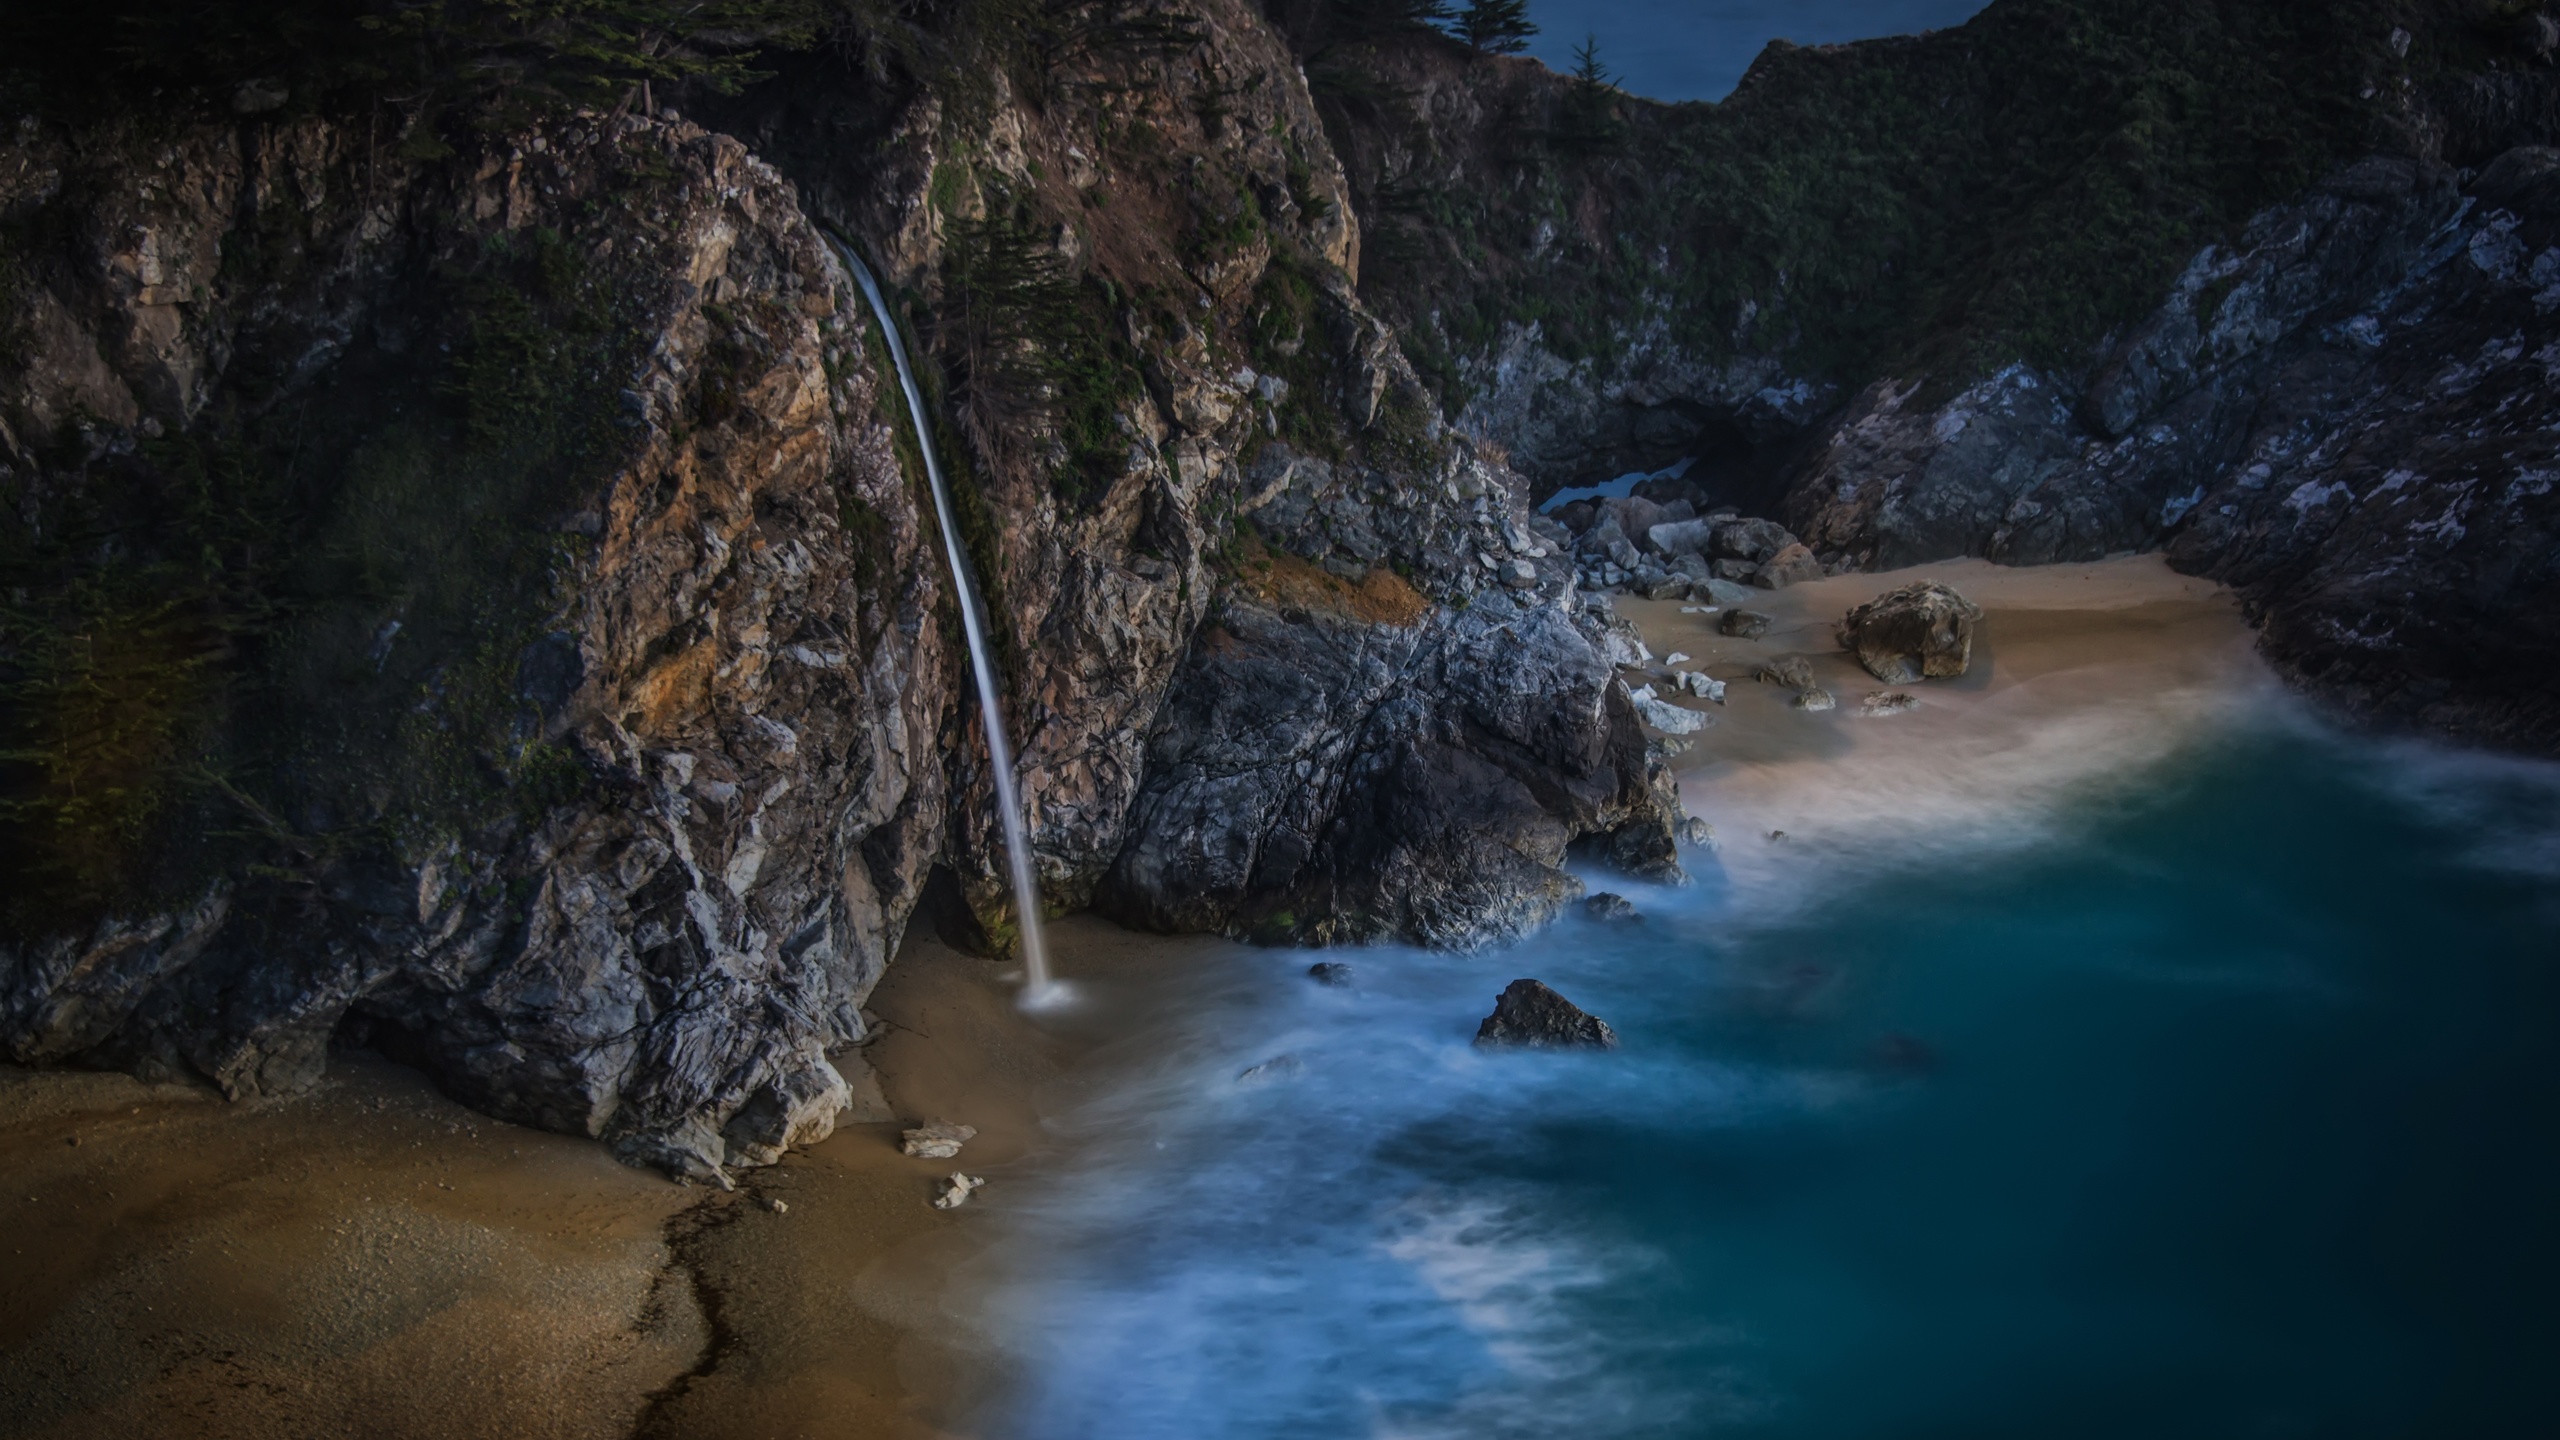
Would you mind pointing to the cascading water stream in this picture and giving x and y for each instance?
(1038, 989)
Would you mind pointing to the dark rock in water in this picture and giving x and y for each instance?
(1919, 631)
(1528, 1013)
(1745, 624)
(1330, 972)
(1612, 908)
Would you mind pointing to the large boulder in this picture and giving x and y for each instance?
(1752, 540)
(1791, 566)
(1528, 1013)
(1922, 631)
(1682, 537)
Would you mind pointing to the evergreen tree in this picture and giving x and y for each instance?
(1590, 117)
(1497, 27)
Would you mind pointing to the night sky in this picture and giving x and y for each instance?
(1698, 49)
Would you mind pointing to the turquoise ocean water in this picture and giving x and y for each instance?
(2222, 1101)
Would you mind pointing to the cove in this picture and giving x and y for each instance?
(2218, 1107)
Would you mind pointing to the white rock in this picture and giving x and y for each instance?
(1676, 657)
(1668, 718)
(1697, 683)
(957, 1190)
(938, 1141)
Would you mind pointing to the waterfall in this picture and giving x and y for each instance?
(1038, 989)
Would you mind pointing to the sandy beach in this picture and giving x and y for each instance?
(373, 1259)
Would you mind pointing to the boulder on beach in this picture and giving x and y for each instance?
(1887, 702)
(1330, 972)
(957, 1190)
(1723, 592)
(1922, 631)
(1792, 566)
(1793, 671)
(1610, 908)
(1745, 624)
(1814, 697)
(1528, 1013)
(937, 1141)
(1752, 540)
(1682, 537)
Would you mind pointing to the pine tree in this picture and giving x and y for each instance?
(1497, 27)
(1591, 120)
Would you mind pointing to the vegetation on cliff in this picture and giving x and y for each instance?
(2014, 188)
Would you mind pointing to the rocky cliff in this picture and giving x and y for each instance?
(2255, 284)
(468, 592)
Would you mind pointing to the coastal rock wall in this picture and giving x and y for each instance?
(583, 746)
(2346, 416)
(474, 599)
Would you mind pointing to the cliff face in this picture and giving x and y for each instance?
(578, 736)
(472, 595)
(2253, 284)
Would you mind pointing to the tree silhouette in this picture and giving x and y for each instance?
(1497, 27)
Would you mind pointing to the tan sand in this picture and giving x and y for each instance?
(372, 1259)
(2083, 676)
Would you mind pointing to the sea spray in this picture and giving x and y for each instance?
(1038, 989)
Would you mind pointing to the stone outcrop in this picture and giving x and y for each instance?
(1919, 632)
(719, 691)
(1530, 1014)
(574, 707)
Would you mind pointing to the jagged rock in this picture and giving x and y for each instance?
(957, 1190)
(1326, 782)
(1793, 671)
(1529, 1014)
(1745, 624)
(1790, 566)
(1752, 541)
(1666, 717)
(1887, 702)
(1726, 593)
(1734, 572)
(1330, 972)
(1666, 587)
(1919, 631)
(937, 1141)
(1610, 908)
(1699, 684)
(1698, 832)
(1814, 698)
(1682, 537)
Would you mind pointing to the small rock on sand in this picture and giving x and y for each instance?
(1745, 624)
(1330, 972)
(1793, 671)
(938, 1141)
(1530, 1014)
(1615, 909)
(1887, 702)
(957, 1190)
(1814, 697)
